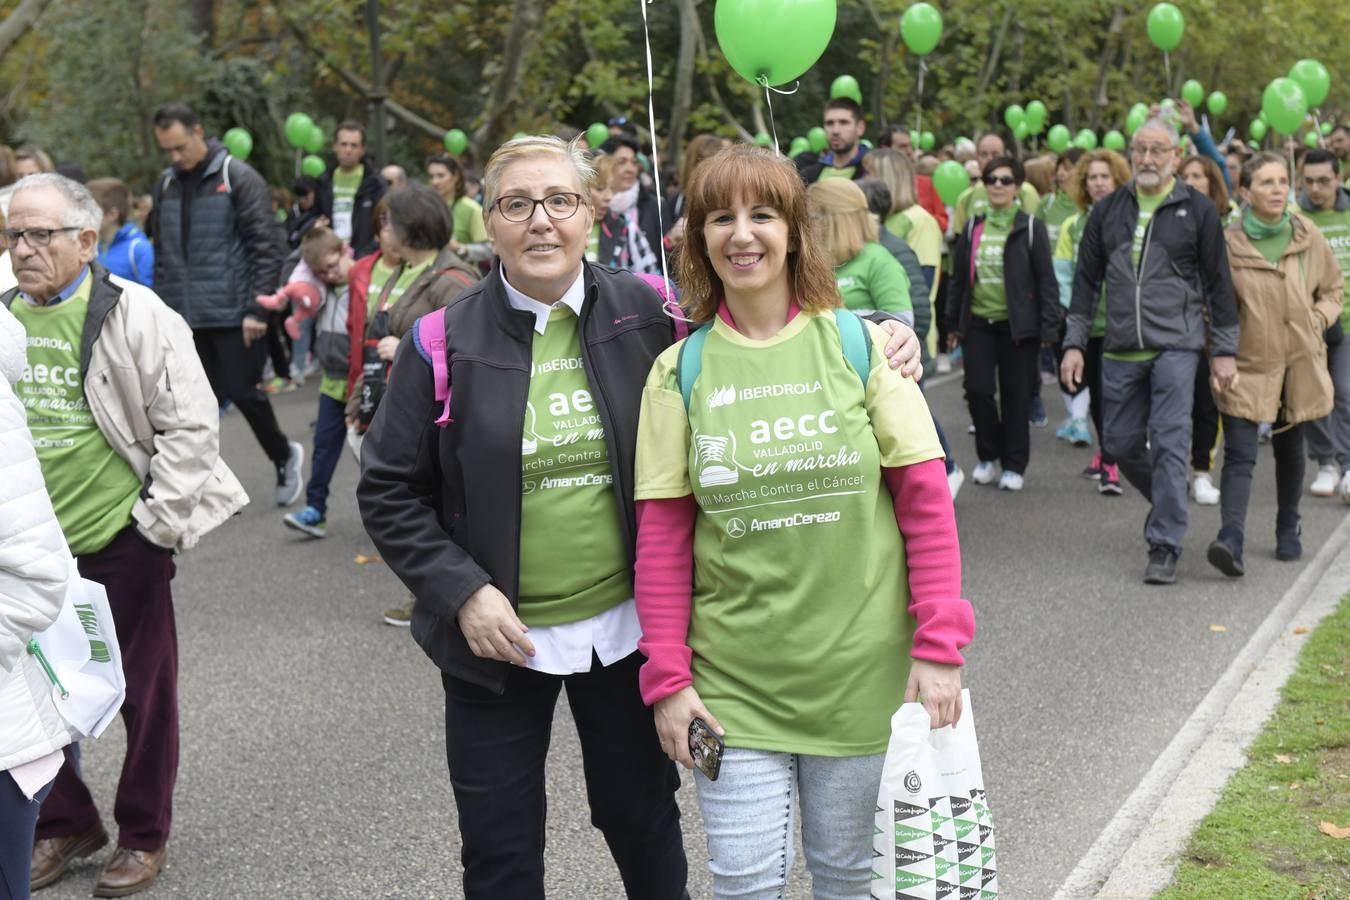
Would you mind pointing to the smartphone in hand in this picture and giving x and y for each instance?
(706, 747)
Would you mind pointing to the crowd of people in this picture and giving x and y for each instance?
(610, 421)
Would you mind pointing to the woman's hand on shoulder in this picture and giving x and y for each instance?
(903, 348)
(938, 688)
(673, 715)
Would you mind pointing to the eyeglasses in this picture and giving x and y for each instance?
(517, 208)
(1145, 151)
(36, 237)
(1005, 180)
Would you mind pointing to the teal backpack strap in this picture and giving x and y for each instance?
(856, 341)
(690, 362)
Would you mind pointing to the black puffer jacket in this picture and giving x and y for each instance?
(216, 241)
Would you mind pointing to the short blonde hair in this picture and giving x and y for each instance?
(603, 164)
(895, 169)
(841, 221)
(535, 145)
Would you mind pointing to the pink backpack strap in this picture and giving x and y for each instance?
(431, 342)
(976, 235)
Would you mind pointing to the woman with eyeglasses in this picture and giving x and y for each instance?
(1003, 307)
(514, 527)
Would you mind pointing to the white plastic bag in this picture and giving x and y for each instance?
(934, 836)
(82, 658)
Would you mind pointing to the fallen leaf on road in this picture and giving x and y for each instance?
(361, 559)
(1283, 758)
(1301, 630)
(1331, 830)
(1217, 629)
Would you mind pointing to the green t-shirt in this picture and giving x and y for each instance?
(468, 216)
(1335, 227)
(989, 297)
(573, 564)
(1148, 205)
(593, 245)
(92, 488)
(345, 186)
(1273, 247)
(1066, 249)
(917, 227)
(833, 172)
(799, 631)
(874, 280)
(1054, 211)
(380, 274)
(974, 201)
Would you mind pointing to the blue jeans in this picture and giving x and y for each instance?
(18, 818)
(330, 432)
(748, 816)
(1146, 408)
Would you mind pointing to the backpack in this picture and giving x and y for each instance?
(853, 336)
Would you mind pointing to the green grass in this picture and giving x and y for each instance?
(1262, 840)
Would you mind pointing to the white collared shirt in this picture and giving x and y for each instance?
(613, 634)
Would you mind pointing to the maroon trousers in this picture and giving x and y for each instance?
(136, 576)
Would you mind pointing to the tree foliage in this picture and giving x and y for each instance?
(84, 82)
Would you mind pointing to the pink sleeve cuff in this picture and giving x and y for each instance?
(663, 584)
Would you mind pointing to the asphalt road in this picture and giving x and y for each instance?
(312, 733)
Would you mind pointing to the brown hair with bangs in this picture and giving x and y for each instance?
(756, 175)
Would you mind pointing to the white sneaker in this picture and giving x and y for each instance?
(1344, 489)
(1324, 485)
(1010, 481)
(944, 364)
(1204, 491)
(983, 473)
(956, 478)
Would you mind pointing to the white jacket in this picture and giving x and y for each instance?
(34, 568)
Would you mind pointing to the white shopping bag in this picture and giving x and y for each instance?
(933, 835)
(83, 660)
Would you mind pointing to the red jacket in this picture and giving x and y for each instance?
(929, 200)
(358, 283)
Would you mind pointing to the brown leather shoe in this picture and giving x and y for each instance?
(129, 871)
(51, 856)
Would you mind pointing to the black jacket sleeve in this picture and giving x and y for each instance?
(1043, 278)
(400, 491)
(1087, 281)
(257, 226)
(1217, 277)
(323, 196)
(958, 289)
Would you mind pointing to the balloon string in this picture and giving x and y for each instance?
(1167, 67)
(769, 91)
(918, 106)
(656, 159)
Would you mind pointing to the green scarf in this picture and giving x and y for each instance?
(1001, 218)
(1260, 231)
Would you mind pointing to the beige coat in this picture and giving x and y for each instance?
(1283, 312)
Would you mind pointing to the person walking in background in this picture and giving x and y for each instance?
(347, 193)
(867, 276)
(217, 250)
(468, 239)
(130, 454)
(123, 249)
(637, 207)
(1289, 291)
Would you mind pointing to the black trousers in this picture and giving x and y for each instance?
(1239, 459)
(496, 745)
(234, 371)
(995, 363)
(1092, 380)
(1204, 421)
(278, 344)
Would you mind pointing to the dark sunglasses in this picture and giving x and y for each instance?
(1005, 180)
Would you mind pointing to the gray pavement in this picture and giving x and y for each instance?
(312, 734)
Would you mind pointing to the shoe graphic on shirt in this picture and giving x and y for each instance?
(712, 455)
(529, 446)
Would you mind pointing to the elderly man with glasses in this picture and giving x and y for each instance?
(126, 431)
(1156, 246)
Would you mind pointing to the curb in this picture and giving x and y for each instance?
(1136, 854)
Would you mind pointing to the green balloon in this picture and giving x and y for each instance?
(1165, 26)
(1013, 114)
(776, 40)
(866, 143)
(1086, 139)
(1312, 139)
(1328, 127)
(921, 28)
(1021, 130)
(1057, 139)
(846, 86)
(597, 134)
(1217, 104)
(1193, 92)
(927, 141)
(950, 180)
(799, 145)
(1114, 140)
(1137, 115)
(456, 141)
(1256, 130)
(239, 142)
(297, 128)
(313, 166)
(763, 139)
(915, 138)
(518, 135)
(1036, 113)
(1283, 105)
(314, 140)
(817, 139)
(1313, 77)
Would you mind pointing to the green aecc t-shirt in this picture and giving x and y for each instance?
(989, 296)
(345, 186)
(1335, 227)
(799, 626)
(874, 280)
